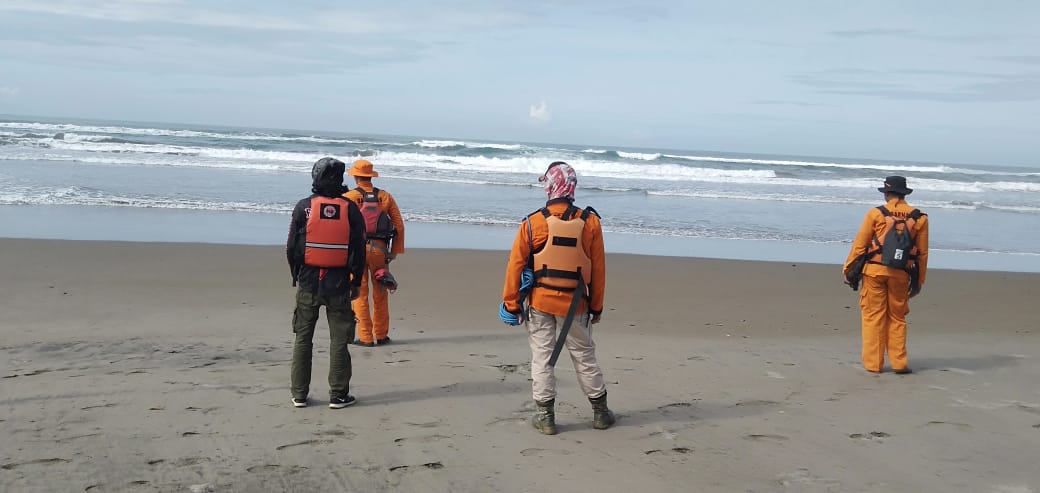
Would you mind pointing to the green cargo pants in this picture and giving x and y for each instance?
(341, 333)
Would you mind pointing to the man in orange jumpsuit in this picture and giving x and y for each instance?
(562, 246)
(385, 235)
(885, 291)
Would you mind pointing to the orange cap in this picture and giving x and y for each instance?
(363, 168)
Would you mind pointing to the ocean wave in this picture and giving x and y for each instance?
(162, 132)
(443, 144)
(638, 155)
(412, 165)
(585, 168)
(781, 162)
(20, 195)
(842, 200)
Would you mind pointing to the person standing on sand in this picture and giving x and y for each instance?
(326, 253)
(891, 275)
(385, 234)
(561, 249)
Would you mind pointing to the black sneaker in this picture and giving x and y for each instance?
(342, 402)
(299, 402)
(903, 371)
(383, 341)
(359, 342)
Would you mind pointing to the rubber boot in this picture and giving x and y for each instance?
(602, 417)
(544, 419)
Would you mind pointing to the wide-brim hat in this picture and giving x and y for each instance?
(896, 184)
(362, 168)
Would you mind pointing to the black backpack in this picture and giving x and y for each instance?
(897, 248)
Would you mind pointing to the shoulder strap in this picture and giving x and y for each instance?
(365, 194)
(884, 211)
(916, 214)
(589, 210)
(569, 213)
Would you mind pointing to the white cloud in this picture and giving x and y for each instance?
(541, 112)
(8, 92)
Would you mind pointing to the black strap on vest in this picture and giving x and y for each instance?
(364, 194)
(561, 338)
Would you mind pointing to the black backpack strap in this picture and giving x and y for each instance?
(589, 211)
(569, 213)
(530, 244)
(916, 214)
(884, 211)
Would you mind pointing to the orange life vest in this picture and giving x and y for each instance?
(328, 233)
(562, 258)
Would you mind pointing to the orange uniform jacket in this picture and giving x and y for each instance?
(546, 299)
(874, 224)
(389, 205)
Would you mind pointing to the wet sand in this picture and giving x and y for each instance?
(164, 367)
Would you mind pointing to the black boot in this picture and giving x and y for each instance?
(602, 417)
(544, 419)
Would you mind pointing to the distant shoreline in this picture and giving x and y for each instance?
(81, 223)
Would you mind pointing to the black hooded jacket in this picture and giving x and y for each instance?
(336, 281)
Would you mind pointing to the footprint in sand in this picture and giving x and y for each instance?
(870, 436)
(276, 468)
(676, 450)
(305, 442)
(110, 404)
(76, 437)
(958, 426)
(427, 424)
(428, 465)
(336, 433)
(508, 421)
(765, 437)
(423, 439)
(755, 403)
(542, 452)
(189, 461)
(675, 405)
(44, 462)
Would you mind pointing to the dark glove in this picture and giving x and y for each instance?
(355, 291)
(915, 290)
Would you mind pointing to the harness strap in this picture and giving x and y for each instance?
(561, 339)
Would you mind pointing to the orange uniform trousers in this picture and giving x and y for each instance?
(373, 325)
(884, 303)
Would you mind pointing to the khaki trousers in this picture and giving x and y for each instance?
(541, 330)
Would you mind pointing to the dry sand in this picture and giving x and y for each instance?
(164, 367)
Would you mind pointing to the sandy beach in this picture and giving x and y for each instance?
(165, 367)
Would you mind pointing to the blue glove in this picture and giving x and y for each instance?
(507, 317)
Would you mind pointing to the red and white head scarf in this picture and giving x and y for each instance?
(560, 181)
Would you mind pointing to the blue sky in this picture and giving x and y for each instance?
(945, 81)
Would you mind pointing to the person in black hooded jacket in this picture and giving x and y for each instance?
(326, 254)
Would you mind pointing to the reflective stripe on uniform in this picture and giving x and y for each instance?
(330, 246)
